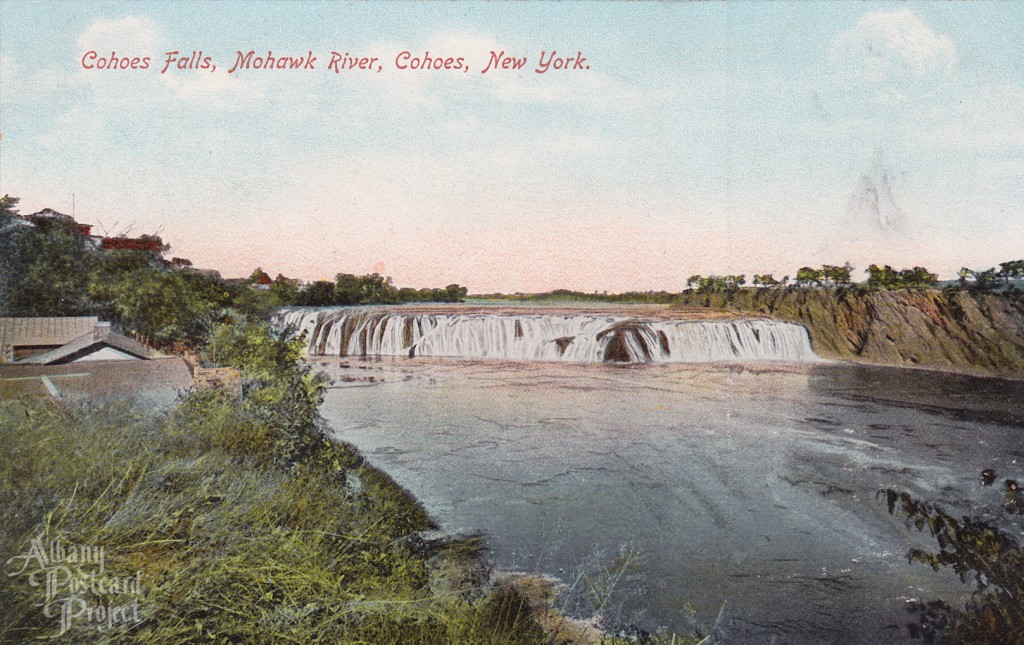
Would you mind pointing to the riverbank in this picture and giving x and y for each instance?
(223, 541)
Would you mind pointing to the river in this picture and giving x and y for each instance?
(745, 490)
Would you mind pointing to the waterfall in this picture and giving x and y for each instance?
(572, 337)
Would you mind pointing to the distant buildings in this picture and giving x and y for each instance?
(149, 243)
(146, 243)
(263, 282)
(80, 358)
(50, 214)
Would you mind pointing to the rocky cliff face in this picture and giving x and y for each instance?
(980, 333)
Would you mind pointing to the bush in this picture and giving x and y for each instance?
(978, 552)
(278, 391)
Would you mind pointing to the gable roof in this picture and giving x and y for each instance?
(98, 338)
(43, 331)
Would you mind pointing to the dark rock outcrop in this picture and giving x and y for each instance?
(955, 330)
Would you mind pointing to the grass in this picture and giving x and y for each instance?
(230, 546)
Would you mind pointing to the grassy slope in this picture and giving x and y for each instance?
(231, 546)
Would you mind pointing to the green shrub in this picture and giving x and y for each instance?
(978, 552)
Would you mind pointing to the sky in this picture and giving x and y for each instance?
(710, 138)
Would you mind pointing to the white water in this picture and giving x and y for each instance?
(580, 338)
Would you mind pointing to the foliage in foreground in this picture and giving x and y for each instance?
(242, 521)
(230, 546)
(977, 552)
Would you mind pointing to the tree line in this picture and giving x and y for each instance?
(991, 278)
(878, 277)
(348, 289)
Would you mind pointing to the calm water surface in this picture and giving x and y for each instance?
(752, 486)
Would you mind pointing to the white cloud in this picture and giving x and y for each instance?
(896, 51)
(589, 88)
(130, 35)
(475, 47)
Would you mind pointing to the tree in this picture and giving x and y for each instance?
(284, 290)
(983, 280)
(846, 276)
(8, 250)
(44, 268)
(978, 552)
(734, 282)
(888, 278)
(1012, 270)
(716, 283)
(376, 289)
(372, 289)
(162, 306)
(807, 275)
(8, 207)
(455, 293)
(320, 293)
(917, 277)
(963, 275)
(347, 289)
(881, 277)
(837, 275)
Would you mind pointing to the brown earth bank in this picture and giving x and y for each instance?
(950, 330)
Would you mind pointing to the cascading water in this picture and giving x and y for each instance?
(576, 337)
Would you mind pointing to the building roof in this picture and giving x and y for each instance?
(49, 213)
(153, 244)
(96, 339)
(43, 332)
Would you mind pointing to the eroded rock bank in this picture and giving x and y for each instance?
(953, 330)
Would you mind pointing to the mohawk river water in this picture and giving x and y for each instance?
(740, 467)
